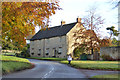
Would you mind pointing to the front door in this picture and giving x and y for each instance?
(54, 52)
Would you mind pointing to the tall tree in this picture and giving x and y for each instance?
(20, 18)
(93, 22)
(87, 40)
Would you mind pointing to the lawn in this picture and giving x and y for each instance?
(9, 67)
(12, 58)
(12, 64)
(50, 59)
(99, 65)
(108, 76)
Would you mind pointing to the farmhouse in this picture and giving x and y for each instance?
(56, 41)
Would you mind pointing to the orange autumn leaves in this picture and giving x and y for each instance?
(20, 18)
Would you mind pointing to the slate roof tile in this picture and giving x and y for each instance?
(53, 31)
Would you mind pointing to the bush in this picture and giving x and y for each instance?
(107, 57)
(25, 52)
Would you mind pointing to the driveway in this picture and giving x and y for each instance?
(52, 69)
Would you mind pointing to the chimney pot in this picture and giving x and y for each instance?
(79, 20)
(62, 22)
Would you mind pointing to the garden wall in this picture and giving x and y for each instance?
(112, 52)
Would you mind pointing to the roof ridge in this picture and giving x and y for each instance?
(63, 25)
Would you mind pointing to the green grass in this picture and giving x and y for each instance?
(100, 65)
(50, 59)
(9, 67)
(12, 58)
(107, 76)
(12, 64)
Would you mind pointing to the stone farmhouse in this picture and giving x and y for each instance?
(55, 41)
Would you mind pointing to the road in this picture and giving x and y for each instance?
(52, 69)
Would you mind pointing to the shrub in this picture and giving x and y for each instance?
(107, 57)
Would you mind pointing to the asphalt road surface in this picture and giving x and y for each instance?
(52, 69)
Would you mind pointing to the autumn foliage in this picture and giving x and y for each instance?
(20, 18)
(89, 40)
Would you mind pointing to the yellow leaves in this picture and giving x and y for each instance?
(18, 4)
(13, 18)
(53, 11)
(19, 18)
(31, 17)
(8, 8)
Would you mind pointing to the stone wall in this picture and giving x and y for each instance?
(113, 52)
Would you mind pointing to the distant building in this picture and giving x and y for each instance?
(56, 41)
(119, 19)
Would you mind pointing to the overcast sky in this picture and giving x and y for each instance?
(71, 9)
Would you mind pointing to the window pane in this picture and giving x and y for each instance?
(60, 50)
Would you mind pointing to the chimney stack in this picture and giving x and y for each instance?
(62, 23)
(78, 20)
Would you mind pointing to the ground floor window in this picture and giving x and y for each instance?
(60, 50)
(39, 52)
(47, 51)
(32, 53)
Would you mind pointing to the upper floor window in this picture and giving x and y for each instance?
(47, 40)
(40, 51)
(60, 39)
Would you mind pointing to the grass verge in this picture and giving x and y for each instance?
(12, 58)
(108, 76)
(50, 59)
(9, 67)
(12, 64)
(94, 65)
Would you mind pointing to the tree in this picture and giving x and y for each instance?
(20, 18)
(112, 31)
(87, 40)
(93, 22)
(105, 42)
(115, 42)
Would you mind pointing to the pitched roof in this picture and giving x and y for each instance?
(53, 31)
